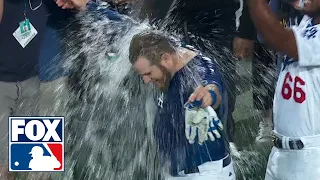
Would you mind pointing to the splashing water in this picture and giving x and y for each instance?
(109, 112)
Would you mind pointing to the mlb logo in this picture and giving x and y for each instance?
(36, 144)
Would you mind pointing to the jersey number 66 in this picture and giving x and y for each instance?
(296, 92)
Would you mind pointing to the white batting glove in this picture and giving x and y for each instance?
(201, 122)
(214, 124)
(196, 124)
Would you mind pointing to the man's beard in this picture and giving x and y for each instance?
(166, 79)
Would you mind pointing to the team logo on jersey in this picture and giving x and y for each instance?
(36, 144)
(310, 33)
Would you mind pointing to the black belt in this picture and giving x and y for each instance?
(225, 163)
(293, 144)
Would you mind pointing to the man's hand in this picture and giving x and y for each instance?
(202, 94)
(71, 4)
(242, 48)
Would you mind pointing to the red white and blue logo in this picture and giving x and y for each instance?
(36, 144)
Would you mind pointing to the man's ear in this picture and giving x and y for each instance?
(166, 59)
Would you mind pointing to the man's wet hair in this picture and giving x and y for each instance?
(150, 45)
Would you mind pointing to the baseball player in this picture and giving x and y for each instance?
(296, 151)
(207, 25)
(187, 128)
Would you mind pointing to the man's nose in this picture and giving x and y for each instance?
(146, 79)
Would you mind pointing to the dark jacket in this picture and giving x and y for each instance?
(50, 60)
(17, 63)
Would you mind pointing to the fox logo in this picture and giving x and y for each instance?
(36, 144)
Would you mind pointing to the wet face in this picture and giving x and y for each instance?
(311, 7)
(156, 74)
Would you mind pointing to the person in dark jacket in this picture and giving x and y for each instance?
(19, 82)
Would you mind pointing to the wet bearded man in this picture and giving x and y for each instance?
(188, 135)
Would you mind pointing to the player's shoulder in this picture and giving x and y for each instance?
(307, 32)
(206, 62)
(305, 23)
(200, 56)
(305, 20)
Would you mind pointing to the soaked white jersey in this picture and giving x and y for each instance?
(297, 96)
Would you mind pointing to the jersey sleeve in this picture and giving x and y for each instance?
(211, 73)
(308, 43)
